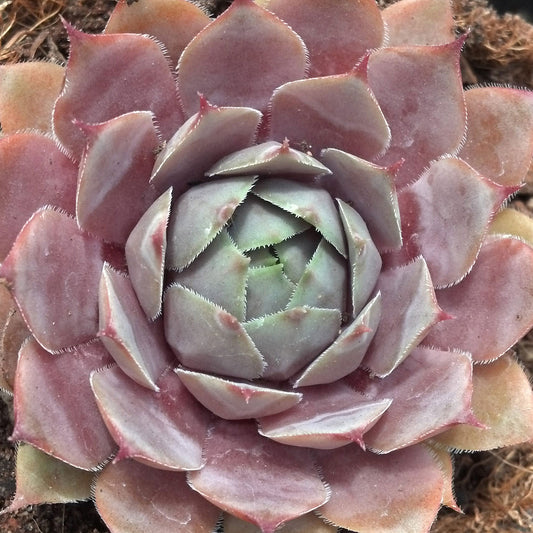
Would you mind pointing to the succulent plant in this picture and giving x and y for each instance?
(257, 267)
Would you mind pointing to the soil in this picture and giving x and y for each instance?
(494, 489)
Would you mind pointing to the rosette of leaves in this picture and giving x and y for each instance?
(256, 269)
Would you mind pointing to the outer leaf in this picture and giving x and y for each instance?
(392, 493)
(313, 113)
(165, 430)
(134, 498)
(244, 44)
(12, 337)
(425, 123)
(336, 48)
(27, 95)
(137, 346)
(256, 479)
(173, 22)
(54, 270)
(438, 385)
(128, 73)
(303, 524)
(502, 268)
(512, 222)
(22, 194)
(409, 310)
(207, 338)
(419, 22)
(217, 130)
(503, 401)
(61, 421)
(445, 216)
(329, 416)
(234, 400)
(44, 479)
(499, 139)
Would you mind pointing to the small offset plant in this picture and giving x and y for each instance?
(256, 270)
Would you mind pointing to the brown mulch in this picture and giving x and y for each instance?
(495, 489)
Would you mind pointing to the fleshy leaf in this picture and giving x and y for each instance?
(173, 22)
(290, 339)
(441, 385)
(113, 190)
(165, 430)
(61, 421)
(12, 336)
(43, 479)
(22, 194)
(25, 104)
(409, 310)
(225, 60)
(313, 113)
(336, 47)
(136, 498)
(503, 267)
(365, 261)
(257, 224)
(268, 291)
(234, 400)
(445, 216)
(218, 274)
(329, 416)
(54, 271)
(205, 138)
(370, 190)
(256, 479)
(199, 214)
(315, 206)
(324, 282)
(503, 401)
(207, 338)
(348, 350)
(445, 460)
(499, 139)
(129, 72)
(425, 123)
(137, 345)
(513, 222)
(145, 254)
(267, 159)
(303, 524)
(419, 22)
(296, 252)
(399, 491)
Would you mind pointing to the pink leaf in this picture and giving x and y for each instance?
(128, 73)
(336, 47)
(499, 140)
(419, 22)
(503, 268)
(22, 191)
(61, 421)
(234, 400)
(138, 346)
(316, 113)
(409, 310)
(399, 491)
(159, 18)
(225, 60)
(27, 95)
(256, 479)
(54, 270)
(138, 499)
(427, 122)
(165, 430)
(113, 188)
(439, 383)
(445, 217)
